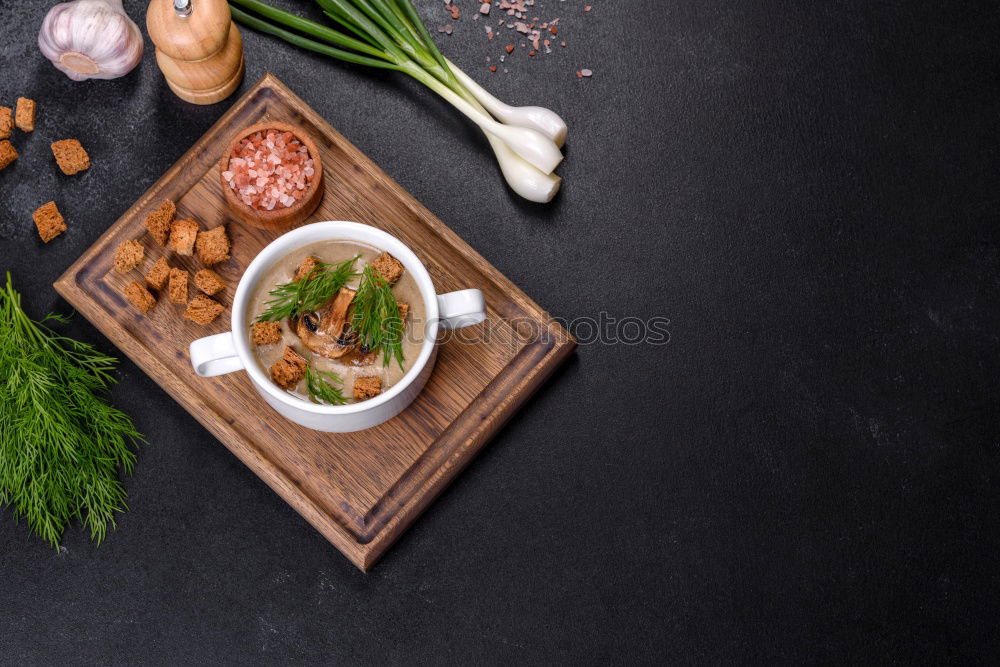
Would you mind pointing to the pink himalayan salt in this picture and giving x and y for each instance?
(269, 170)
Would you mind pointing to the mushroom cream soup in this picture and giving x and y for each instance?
(321, 354)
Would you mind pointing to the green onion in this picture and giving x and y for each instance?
(390, 35)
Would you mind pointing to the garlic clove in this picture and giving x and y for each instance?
(91, 39)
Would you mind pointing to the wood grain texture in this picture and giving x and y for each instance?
(360, 490)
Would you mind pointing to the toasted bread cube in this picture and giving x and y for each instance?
(177, 286)
(139, 296)
(289, 370)
(365, 388)
(203, 310)
(157, 276)
(6, 122)
(128, 255)
(25, 115)
(306, 267)
(265, 333)
(183, 234)
(209, 282)
(49, 221)
(388, 267)
(213, 246)
(159, 220)
(404, 309)
(7, 154)
(70, 156)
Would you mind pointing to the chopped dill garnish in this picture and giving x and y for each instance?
(309, 293)
(318, 384)
(376, 317)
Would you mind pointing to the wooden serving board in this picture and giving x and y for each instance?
(360, 490)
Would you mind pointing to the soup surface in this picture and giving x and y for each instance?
(353, 365)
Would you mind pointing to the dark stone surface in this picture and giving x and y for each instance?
(808, 471)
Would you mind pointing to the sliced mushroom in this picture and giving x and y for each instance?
(324, 333)
(360, 356)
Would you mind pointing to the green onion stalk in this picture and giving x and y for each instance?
(389, 34)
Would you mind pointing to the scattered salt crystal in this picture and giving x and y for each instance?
(515, 15)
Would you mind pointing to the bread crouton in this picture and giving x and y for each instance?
(265, 333)
(209, 282)
(388, 267)
(6, 122)
(203, 310)
(70, 156)
(404, 309)
(213, 246)
(139, 296)
(7, 154)
(159, 219)
(157, 276)
(49, 221)
(365, 388)
(182, 236)
(289, 370)
(306, 267)
(128, 255)
(25, 115)
(177, 286)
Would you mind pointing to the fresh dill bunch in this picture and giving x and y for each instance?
(376, 317)
(308, 293)
(61, 445)
(318, 384)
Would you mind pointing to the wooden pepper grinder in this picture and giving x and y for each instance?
(198, 48)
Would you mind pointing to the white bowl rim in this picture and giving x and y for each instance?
(337, 230)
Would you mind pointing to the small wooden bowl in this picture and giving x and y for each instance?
(283, 217)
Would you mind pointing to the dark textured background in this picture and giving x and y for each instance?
(808, 471)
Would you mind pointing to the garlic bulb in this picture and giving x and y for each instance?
(91, 39)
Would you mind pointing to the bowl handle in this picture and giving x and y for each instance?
(215, 355)
(462, 308)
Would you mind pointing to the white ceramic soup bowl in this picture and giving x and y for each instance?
(229, 352)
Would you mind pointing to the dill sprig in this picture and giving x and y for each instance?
(376, 317)
(61, 445)
(308, 293)
(318, 384)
